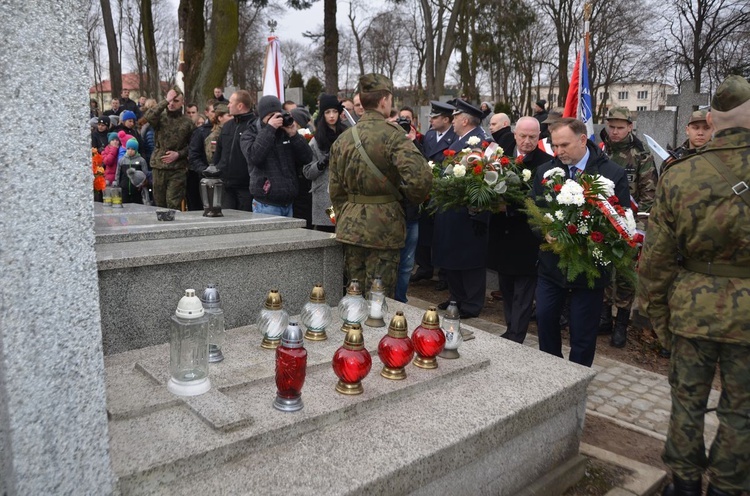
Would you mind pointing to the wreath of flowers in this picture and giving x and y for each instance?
(97, 167)
(589, 229)
(479, 177)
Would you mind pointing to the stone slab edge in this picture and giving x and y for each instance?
(629, 426)
(559, 479)
(643, 479)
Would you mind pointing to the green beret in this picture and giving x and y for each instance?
(221, 107)
(619, 113)
(375, 82)
(733, 92)
(698, 116)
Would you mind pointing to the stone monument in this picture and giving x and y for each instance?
(53, 424)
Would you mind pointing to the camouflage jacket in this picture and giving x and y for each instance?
(697, 217)
(638, 163)
(172, 132)
(375, 225)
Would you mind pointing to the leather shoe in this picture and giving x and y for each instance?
(496, 295)
(464, 315)
(420, 276)
(444, 305)
(441, 286)
(680, 487)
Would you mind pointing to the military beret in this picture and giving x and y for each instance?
(440, 108)
(733, 92)
(621, 113)
(222, 108)
(462, 106)
(698, 116)
(375, 82)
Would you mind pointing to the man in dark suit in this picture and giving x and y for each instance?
(501, 131)
(436, 140)
(575, 154)
(514, 248)
(460, 239)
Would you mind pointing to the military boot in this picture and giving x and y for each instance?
(620, 334)
(714, 491)
(680, 487)
(605, 321)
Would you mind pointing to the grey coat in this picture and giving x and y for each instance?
(321, 200)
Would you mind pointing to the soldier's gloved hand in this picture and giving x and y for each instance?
(324, 163)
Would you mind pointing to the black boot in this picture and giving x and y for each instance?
(605, 321)
(620, 333)
(680, 487)
(713, 491)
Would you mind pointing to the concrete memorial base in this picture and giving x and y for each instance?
(145, 265)
(491, 422)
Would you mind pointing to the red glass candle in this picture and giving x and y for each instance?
(428, 340)
(352, 362)
(396, 349)
(291, 368)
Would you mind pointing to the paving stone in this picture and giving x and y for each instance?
(604, 377)
(616, 371)
(645, 423)
(664, 405)
(642, 405)
(620, 401)
(650, 381)
(604, 393)
(616, 386)
(639, 388)
(595, 400)
(663, 390)
(608, 410)
(661, 411)
(630, 394)
(656, 417)
(624, 382)
(628, 378)
(628, 415)
(661, 427)
(652, 397)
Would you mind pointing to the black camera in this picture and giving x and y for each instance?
(286, 119)
(404, 123)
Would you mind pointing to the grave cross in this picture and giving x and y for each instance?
(686, 102)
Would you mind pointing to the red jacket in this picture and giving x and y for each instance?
(109, 155)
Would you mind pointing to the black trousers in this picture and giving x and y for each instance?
(237, 199)
(467, 288)
(518, 303)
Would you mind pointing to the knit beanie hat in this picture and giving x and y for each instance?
(301, 116)
(132, 143)
(330, 102)
(128, 114)
(136, 177)
(112, 136)
(124, 137)
(267, 105)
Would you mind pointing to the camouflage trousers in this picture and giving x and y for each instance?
(365, 263)
(169, 187)
(692, 369)
(620, 292)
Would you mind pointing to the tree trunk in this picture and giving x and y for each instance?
(191, 22)
(331, 44)
(149, 43)
(115, 70)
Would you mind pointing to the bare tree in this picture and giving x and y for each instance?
(149, 47)
(566, 16)
(440, 17)
(115, 70)
(359, 32)
(93, 44)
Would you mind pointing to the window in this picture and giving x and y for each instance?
(603, 95)
(641, 108)
(642, 95)
(622, 95)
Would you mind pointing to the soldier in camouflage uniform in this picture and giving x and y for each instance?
(370, 221)
(698, 132)
(626, 150)
(694, 282)
(169, 160)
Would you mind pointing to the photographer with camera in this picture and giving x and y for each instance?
(274, 149)
(327, 128)
(228, 156)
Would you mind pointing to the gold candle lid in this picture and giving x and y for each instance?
(354, 339)
(431, 320)
(317, 295)
(377, 284)
(354, 288)
(273, 300)
(398, 327)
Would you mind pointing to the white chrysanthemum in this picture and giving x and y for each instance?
(303, 131)
(459, 171)
(571, 193)
(583, 228)
(548, 197)
(554, 172)
(499, 151)
(609, 186)
(565, 198)
(474, 140)
(526, 175)
(630, 221)
(466, 150)
(559, 215)
(549, 217)
(431, 164)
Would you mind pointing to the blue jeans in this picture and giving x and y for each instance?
(406, 265)
(264, 208)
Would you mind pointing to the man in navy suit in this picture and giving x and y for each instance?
(436, 140)
(575, 154)
(461, 236)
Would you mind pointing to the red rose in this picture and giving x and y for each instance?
(477, 170)
(597, 237)
(613, 200)
(638, 238)
(585, 213)
(572, 229)
(519, 160)
(505, 161)
(557, 187)
(485, 144)
(449, 153)
(544, 181)
(620, 210)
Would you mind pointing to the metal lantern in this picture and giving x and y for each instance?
(353, 308)
(212, 189)
(316, 315)
(188, 348)
(452, 330)
(291, 367)
(212, 305)
(378, 305)
(273, 320)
